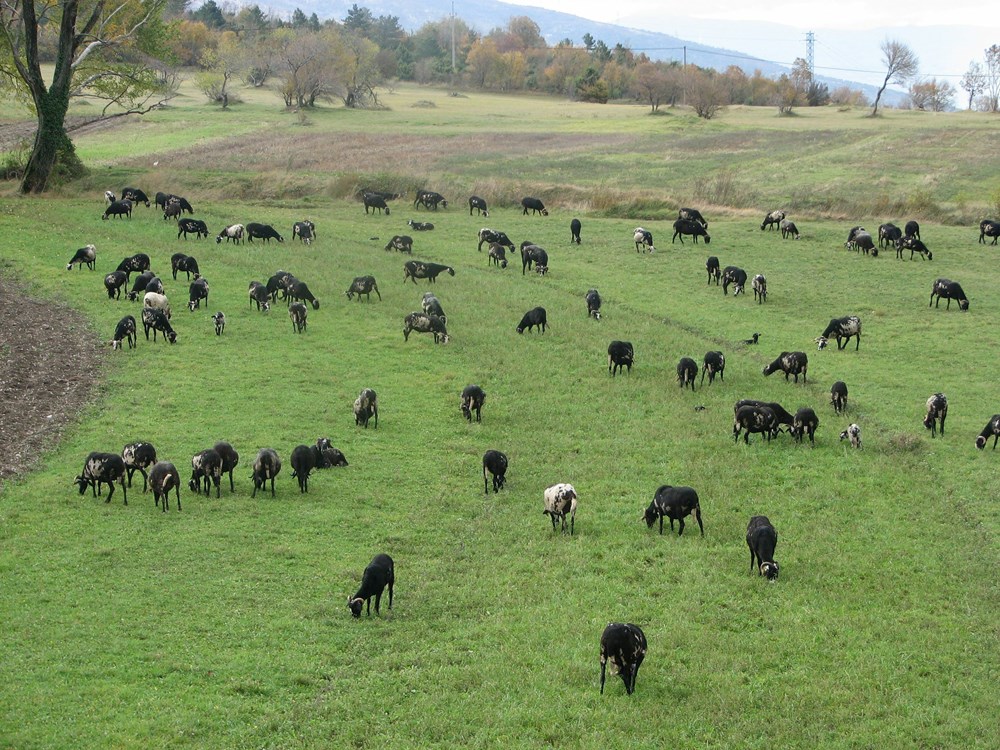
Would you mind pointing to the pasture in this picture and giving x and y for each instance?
(226, 625)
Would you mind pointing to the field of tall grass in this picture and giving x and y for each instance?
(225, 625)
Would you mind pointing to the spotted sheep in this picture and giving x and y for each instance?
(134, 264)
(232, 233)
(534, 205)
(620, 355)
(492, 236)
(219, 319)
(992, 429)
(197, 291)
(158, 322)
(788, 229)
(914, 245)
(643, 239)
(495, 463)
(781, 415)
(692, 214)
(759, 286)
(363, 285)
(858, 239)
(124, 331)
(86, 255)
(135, 195)
(259, 295)
(473, 398)
(477, 203)
(790, 363)
(156, 301)
(624, 645)
(561, 501)
(989, 228)
(185, 263)
(712, 266)
(687, 372)
(153, 285)
(593, 298)
(114, 282)
(762, 539)
(852, 433)
(950, 290)
(177, 200)
(303, 463)
(429, 200)
(752, 418)
(937, 411)
(774, 218)
(674, 504)
(206, 470)
(267, 465)
(423, 323)
(432, 306)
(735, 276)
(838, 396)
(138, 456)
(102, 468)
(805, 422)
(230, 459)
(305, 231)
(420, 226)
(298, 314)
(418, 269)
(381, 572)
(298, 291)
(714, 364)
(326, 456)
(497, 255)
(164, 477)
(889, 234)
(401, 242)
(841, 329)
(535, 317)
(533, 254)
(109, 197)
(366, 407)
(574, 231)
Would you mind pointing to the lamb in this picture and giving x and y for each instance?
(379, 574)
(914, 246)
(191, 226)
(737, 277)
(754, 418)
(267, 465)
(497, 255)
(400, 242)
(262, 232)
(788, 229)
(911, 229)
(325, 455)
(492, 236)
(593, 298)
(624, 645)
(676, 504)
(429, 200)
(620, 355)
(156, 301)
(643, 239)
(838, 396)
(762, 539)
(495, 463)
(791, 363)
(712, 266)
(114, 282)
(574, 231)
(374, 202)
(366, 407)
(172, 211)
(842, 329)
(937, 411)
(950, 290)
(531, 253)
(259, 294)
(473, 398)
(560, 501)
(85, 255)
(805, 423)
(230, 459)
(715, 364)
(992, 428)
(534, 317)
(692, 214)
(759, 286)
(233, 233)
(687, 371)
(363, 285)
(124, 331)
(752, 341)
(302, 465)
(862, 240)
(852, 433)
(988, 228)
(109, 197)
(138, 457)
(102, 468)
(475, 202)
(534, 205)
(772, 219)
(693, 228)
(299, 291)
(424, 323)
(141, 283)
(305, 231)
(164, 477)
(118, 209)
(418, 269)
(197, 291)
(206, 469)
(432, 306)
(185, 263)
(220, 322)
(297, 313)
(420, 226)
(156, 320)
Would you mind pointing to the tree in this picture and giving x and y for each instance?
(359, 20)
(223, 63)
(656, 84)
(210, 14)
(992, 88)
(590, 87)
(934, 95)
(786, 94)
(974, 81)
(801, 75)
(901, 64)
(705, 93)
(817, 95)
(100, 52)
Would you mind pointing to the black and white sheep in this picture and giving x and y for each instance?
(841, 329)
(155, 319)
(492, 236)
(178, 200)
(141, 282)
(688, 226)
(381, 572)
(298, 314)
(620, 355)
(429, 200)
(759, 286)
(574, 231)
(326, 456)
(418, 269)
(125, 331)
(184, 263)
(859, 239)
(754, 418)
(937, 411)
(790, 363)
(156, 301)
(305, 231)
(692, 214)
(135, 195)
(363, 285)
(533, 254)
(299, 292)
(473, 398)
(914, 245)
(992, 429)
(375, 203)
(889, 234)
(674, 504)
(714, 364)
(258, 294)
(431, 305)
(781, 414)
(262, 232)
(102, 468)
(593, 298)
(109, 197)
(838, 396)
(303, 462)
(267, 465)
(85, 255)
(773, 219)
(852, 433)
(477, 203)
(206, 470)
(230, 459)
(366, 407)
(805, 422)
(735, 276)
(138, 456)
(687, 372)
(233, 233)
(219, 319)
(712, 266)
(134, 264)
(164, 477)
(495, 463)
(989, 228)
(400, 242)
(191, 226)
(560, 501)
(950, 290)
(624, 645)
(114, 282)
(762, 539)
(497, 255)
(118, 209)
(420, 226)
(421, 322)
(197, 291)
(534, 205)
(534, 317)
(643, 239)
(788, 229)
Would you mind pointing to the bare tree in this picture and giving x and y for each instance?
(705, 93)
(901, 65)
(992, 89)
(934, 95)
(974, 81)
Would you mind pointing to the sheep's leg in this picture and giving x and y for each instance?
(378, 602)
(603, 666)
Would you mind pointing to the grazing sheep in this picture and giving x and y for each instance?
(889, 234)
(233, 233)
(400, 242)
(134, 264)
(197, 291)
(531, 253)
(911, 229)
(692, 214)
(774, 218)
(643, 239)
(852, 433)
(790, 363)
(432, 306)
(805, 422)
(185, 263)
(114, 282)
(560, 501)
(172, 211)
(781, 415)
(259, 295)
(473, 398)
(141, 284)
(109, 197)
(381, 572)
(164, 477)
(593, 298)
(206, 470)
(429, 200)
(220, 322)
(326, 456)
(305, 231)
(950, 290)
(937, 411)
(374, 202)
(118, 209)
(230, 459)
(754, 418)
(497, 255)
(302, 464)
(363, 285)
(712, 266)
(914, 246)
(102, 468)
(988, 228)
(534, 317)
(759, 286)
(788, 229)
(675, 504)
(715, 364)
(298, 314)
(489, 236)
(266, 466)
(156, 301)
(687, 372)
(124, 331)
(138, 457)
(992, 428)
(862, 241)
(495, 463)
(624, 645)
(477, 203)
(262, 232)
(299, 291)
(135, 195)
(574, 231)
(179, 201)
(688, 226)
(85, 255)
(838, 396)
(620, 355)
(737, 277)
(762, 539)
(366, 407)
(424, 323)
(842, 329)
(534, 205)
(158, 322)
(418, 269)
(191, 226)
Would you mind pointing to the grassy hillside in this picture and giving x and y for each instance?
(225, 625)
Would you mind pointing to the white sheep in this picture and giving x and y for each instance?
(157, 302)
(560, 500)
(853, 433)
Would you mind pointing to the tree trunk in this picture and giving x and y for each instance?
(53, 151)
(878, 96)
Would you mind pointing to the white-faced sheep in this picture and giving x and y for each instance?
(992, 429)
(305, 231)
(937, 411)
(852, 433)
(495, 463)
(366, 407)
(533, 254)
(164, 477)
(593, 298)
(762, 539)
(914, 246)
(381, 572)
(124, 332)
(259, 295)
(266, 465)
(85, 255)
(643, 239)
(473, 398)
(298, 314)
(560, 501)
(675, 504)
(624, 645)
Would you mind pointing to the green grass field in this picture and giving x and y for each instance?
(225, 625)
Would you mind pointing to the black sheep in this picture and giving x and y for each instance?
(262, 232)
(124, 331)
(206, 470)
(266, 466)
(164, 477)
(85, 255)
(712, 266)
(992, 429)
(534, 317)
(838, 396)
(687, 372)
(302, 464)
(950, 290)
(534, 205)
(753, 418)
(937, 412)
(495, 463)
(593, 298)
(230, 459)
(693, 228)
(473, 398)
(791, 363)
(624, 645)
(715, 364)
(675, 503)
(620, 354)
(762, 539)
(735, 276)
(138, 457)
(379, 574)
(103, 468)
(477, 203)
(114, 282)
(805, 422)
(574, 231)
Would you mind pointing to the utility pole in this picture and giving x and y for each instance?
(811, 54)
(453, 43)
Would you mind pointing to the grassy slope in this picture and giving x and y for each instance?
(225, 625)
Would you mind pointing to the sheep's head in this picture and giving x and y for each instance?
(963, 305)
(355, 605)
(821, 342)
(650, 516)
(82, 483)
(769, 570)
(315, 304)
(172, 337)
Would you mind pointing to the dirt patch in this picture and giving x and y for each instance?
(49, 363)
